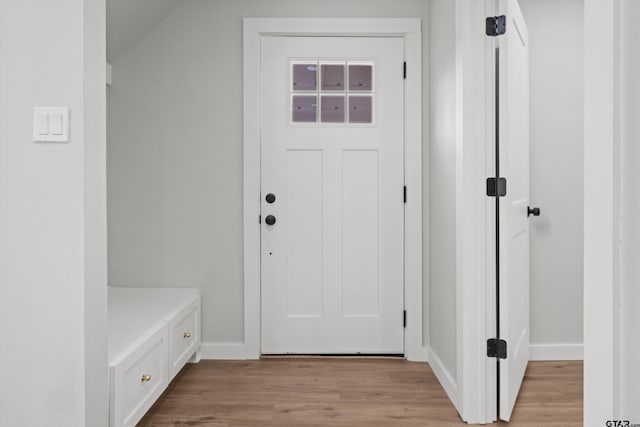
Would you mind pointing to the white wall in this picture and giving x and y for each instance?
(130, 20)
(442, 170)
(175, 150)
(630, 211)
(52, 312)
(612, 205)
(95, 213)
(601, 214)
(557, 179)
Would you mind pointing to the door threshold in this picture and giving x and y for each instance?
(333, 356)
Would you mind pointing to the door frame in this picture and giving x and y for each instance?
(409, 29)
(603, 171)
(473, 389)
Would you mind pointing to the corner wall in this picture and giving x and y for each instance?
(53, 334)
(442, 170)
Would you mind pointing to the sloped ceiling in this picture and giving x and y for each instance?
(129, 20)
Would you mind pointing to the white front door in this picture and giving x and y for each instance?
(332, 149)
(514, 223)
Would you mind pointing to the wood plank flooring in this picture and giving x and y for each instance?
(347, 392)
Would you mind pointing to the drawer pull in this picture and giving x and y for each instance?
(187, 334)
(146, 378)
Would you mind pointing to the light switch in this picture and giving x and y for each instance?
(42, 124)
(56, 124)
(51, 124)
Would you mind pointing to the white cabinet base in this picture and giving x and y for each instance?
(184, 337)
(152, 335)
(139, 379)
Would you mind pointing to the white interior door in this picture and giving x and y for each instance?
(514, 223)
(332, 179)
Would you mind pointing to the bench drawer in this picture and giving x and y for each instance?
(184, 337)
(139, 378)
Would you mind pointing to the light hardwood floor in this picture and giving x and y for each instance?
(347, 392)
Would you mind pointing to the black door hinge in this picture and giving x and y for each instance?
(404, 318)
(496, 187)
(404, 69)
(259, 219)
(404, 193)
(496, 25)
(497, 348)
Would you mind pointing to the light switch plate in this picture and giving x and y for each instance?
(51, 124)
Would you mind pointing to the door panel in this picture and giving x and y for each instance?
(360, 233)
(514, 224)
(305, 230)
(332, 150)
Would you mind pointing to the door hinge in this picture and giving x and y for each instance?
(496, 187)
(404, 193)
(259, 219)
(404, 69)
(404, 318)
(496, 25)
(496, 348)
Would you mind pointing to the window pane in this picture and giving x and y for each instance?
(360, 109)
(332, 109)
(305, 77)
(332, 77)
(360, 77)
(303, 108)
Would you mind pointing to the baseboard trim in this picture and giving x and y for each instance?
(225, 351)
(547, 352)
(444, 376)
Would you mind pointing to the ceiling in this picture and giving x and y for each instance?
(129, 20)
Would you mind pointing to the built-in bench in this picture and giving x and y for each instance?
(153, 332)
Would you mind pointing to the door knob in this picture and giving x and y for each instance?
(270, 220)
(533, 211)
(270, 198)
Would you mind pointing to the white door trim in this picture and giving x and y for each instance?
(475, 240)
(475, 392)
(602, 238)
(410, 30)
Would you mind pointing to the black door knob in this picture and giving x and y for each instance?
(270, 198)
(533, 211)
(270, 220)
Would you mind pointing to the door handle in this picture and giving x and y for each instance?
(533, 211)
(270, 198)
(270, 220)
